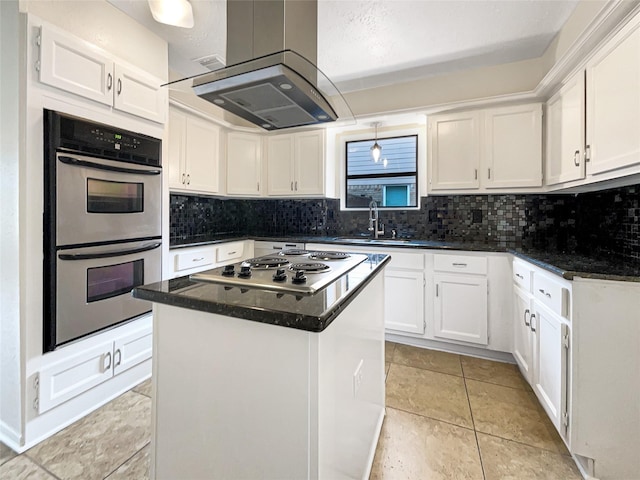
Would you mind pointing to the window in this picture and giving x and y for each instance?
(391, 181)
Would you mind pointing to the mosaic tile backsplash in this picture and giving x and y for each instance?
(603, 222)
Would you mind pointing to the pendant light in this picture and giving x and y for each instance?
(172, 12)
(376, 149)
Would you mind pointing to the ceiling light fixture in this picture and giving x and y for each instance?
(376, 149)
(172, 12)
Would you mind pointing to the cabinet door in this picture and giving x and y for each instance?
(139, 94)
(280, 165)
(460, 308)
(613, 102)
(522, 334)
(550, 363)
(75, 66)
(565, 133)
(131, 350)
(454, 151)
(404, 300)
(201, 155)
(174, 165)
(243, 164)
(513, 147)
(309, 163)
(74, 375)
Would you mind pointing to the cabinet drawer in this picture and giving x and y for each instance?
(460, 264)
(230, 252)
(552, 294)
(410, 261)
(522, 275)
(195, 258)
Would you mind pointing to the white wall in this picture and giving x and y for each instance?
(10, 367)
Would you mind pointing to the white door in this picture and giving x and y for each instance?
(201, 155)
(139, 94)
(460, 308)
(454, 151)
(565, 133)
(513, 147)
(550, 363)
(132, 349)
(522, 335)
(75, 66)
(613, 102)
(404, 300)
(280, 175)
(174, 166)
(243, 164)
(309, 163)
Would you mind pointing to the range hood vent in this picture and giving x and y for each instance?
(271, 80)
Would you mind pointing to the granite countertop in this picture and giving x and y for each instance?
(566, 265)
(304, 312)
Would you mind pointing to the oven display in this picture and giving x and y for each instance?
(113, 280)
(114, 197)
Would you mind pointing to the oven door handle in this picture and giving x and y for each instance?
(98, 166)
(113, 253)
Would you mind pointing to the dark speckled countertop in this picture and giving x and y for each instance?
(566, 265)
(312, 313)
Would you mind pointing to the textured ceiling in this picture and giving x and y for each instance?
(362, 44)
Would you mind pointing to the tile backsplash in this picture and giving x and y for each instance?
(605, 222)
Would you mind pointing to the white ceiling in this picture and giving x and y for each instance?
(367, 43)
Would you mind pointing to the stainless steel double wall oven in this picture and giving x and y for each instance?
(102, 225)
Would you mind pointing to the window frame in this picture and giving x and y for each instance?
(391, 133)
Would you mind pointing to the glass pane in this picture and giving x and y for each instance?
(395, 195)
(114, 197)
(112, 280)
(360, 191)
(398, 155)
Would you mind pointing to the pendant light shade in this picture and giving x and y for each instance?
(376, 149)
(172, 12)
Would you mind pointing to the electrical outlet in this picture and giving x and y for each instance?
(357, 378)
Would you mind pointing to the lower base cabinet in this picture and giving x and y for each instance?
(404, 300)
(523, 334)
(460, 307)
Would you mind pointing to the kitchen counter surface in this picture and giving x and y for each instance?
(566, 265)
(304, 312)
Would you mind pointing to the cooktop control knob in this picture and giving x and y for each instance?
(229, 271)
(279, 276)
(245, 271)
(299, 277)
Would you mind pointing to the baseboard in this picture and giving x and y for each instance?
(11, 438)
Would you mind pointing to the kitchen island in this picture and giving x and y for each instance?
(252, 383)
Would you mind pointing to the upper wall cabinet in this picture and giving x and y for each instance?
(497, 148)
(244, 160)
(76, 66)
(613, 102)
(295, 164)
(194, 146)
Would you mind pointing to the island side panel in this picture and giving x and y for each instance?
(351, 380)
(231, 398)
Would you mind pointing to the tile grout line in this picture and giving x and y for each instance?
(136, 453)
(473, 422)
(430, 418)
(39, 465)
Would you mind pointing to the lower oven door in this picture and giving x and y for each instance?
(93, 287)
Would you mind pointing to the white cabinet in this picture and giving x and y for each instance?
(613, 102)
(244, 160)
(187, 260)
(295, 164)
(194, 145)
(83, 368)
(566, 133)
(76, 66)
(460, 299)
(522, 334)
(454, 151)
(404, 300)
(512, 147)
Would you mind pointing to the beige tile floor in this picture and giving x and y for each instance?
(448, 417)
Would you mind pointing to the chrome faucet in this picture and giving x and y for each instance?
(373, 219)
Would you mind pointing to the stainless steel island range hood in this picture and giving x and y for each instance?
(272, 80)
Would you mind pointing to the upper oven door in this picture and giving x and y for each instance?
(99, 200)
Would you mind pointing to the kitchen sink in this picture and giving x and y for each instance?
(374, 241)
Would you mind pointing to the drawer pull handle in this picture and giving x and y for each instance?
(533, 329)
(526, 312)
(106, 357)
(519, 276)
(459, 265)
(198, 259)
(232, 253)
(544, 293)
